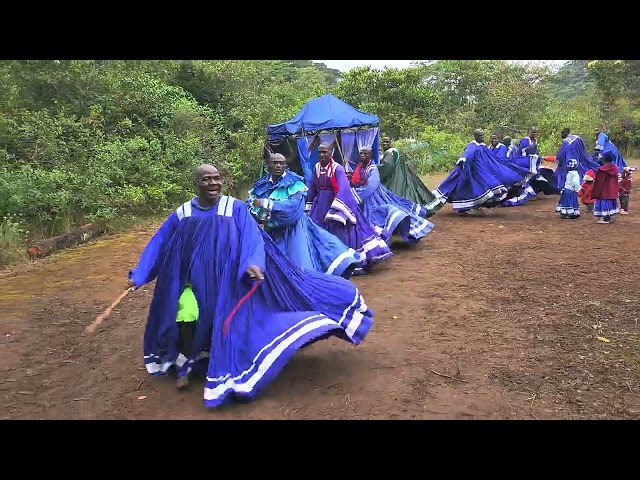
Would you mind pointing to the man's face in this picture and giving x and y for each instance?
(324, 154)
(386, 143)
(209, 184)
(277, 167)
(494, 140)
(365, 156)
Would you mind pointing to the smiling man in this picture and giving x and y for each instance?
(209, 184)
(229, 301)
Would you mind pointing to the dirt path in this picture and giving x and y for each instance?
(511, 304)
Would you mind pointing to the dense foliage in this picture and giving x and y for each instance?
(88, 139)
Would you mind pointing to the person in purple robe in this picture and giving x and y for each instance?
(331, 204)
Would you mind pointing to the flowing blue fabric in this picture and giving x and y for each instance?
(527, 160)
(604, 145)
(304, 242)
(478, 179)
(211, 250)
(545, 181)
(305, 161)
(573, 148)
(387, 212)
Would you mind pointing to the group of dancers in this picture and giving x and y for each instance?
(241, 285)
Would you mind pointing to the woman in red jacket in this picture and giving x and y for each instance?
(605, 189)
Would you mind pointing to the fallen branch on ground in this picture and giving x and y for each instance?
(76, 237)
(449, 376)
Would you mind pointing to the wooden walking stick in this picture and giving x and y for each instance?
(91, 328)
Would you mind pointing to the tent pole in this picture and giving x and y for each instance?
(344, 160)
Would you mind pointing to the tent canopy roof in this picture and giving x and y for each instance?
(323, 113)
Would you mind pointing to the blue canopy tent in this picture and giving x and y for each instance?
(330, 119)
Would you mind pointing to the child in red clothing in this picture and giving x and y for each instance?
(585, 190)
(624, 190)
(605, 189)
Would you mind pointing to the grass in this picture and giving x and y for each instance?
(11, 238)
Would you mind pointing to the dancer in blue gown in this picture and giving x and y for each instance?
(498, 148)
(572, 148)
(386, 211)
(604, 145)
(526, 157)
(331, 205)
(255, 307)
(277, 201)
(479, 179)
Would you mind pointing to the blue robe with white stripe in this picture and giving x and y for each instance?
(526, 157)
(573, 148)
(479, 178)
(211, 250)
(387, 212)
(500, 150)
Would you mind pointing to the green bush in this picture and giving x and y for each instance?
(432, 151)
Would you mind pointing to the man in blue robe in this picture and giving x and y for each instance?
(572, 148)
(525, 156)
(498, 148)
(255, 308)
(384, 210)
(277, 201)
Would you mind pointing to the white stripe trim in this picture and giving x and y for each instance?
(222, 203)
(228, 211)
(420, 227)
(339, 205)
(335, 218)
(182, 210)
(371, 244)
(355, 195)
(339, 259)
(265, 365)
(391, 220)
(266, 347)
